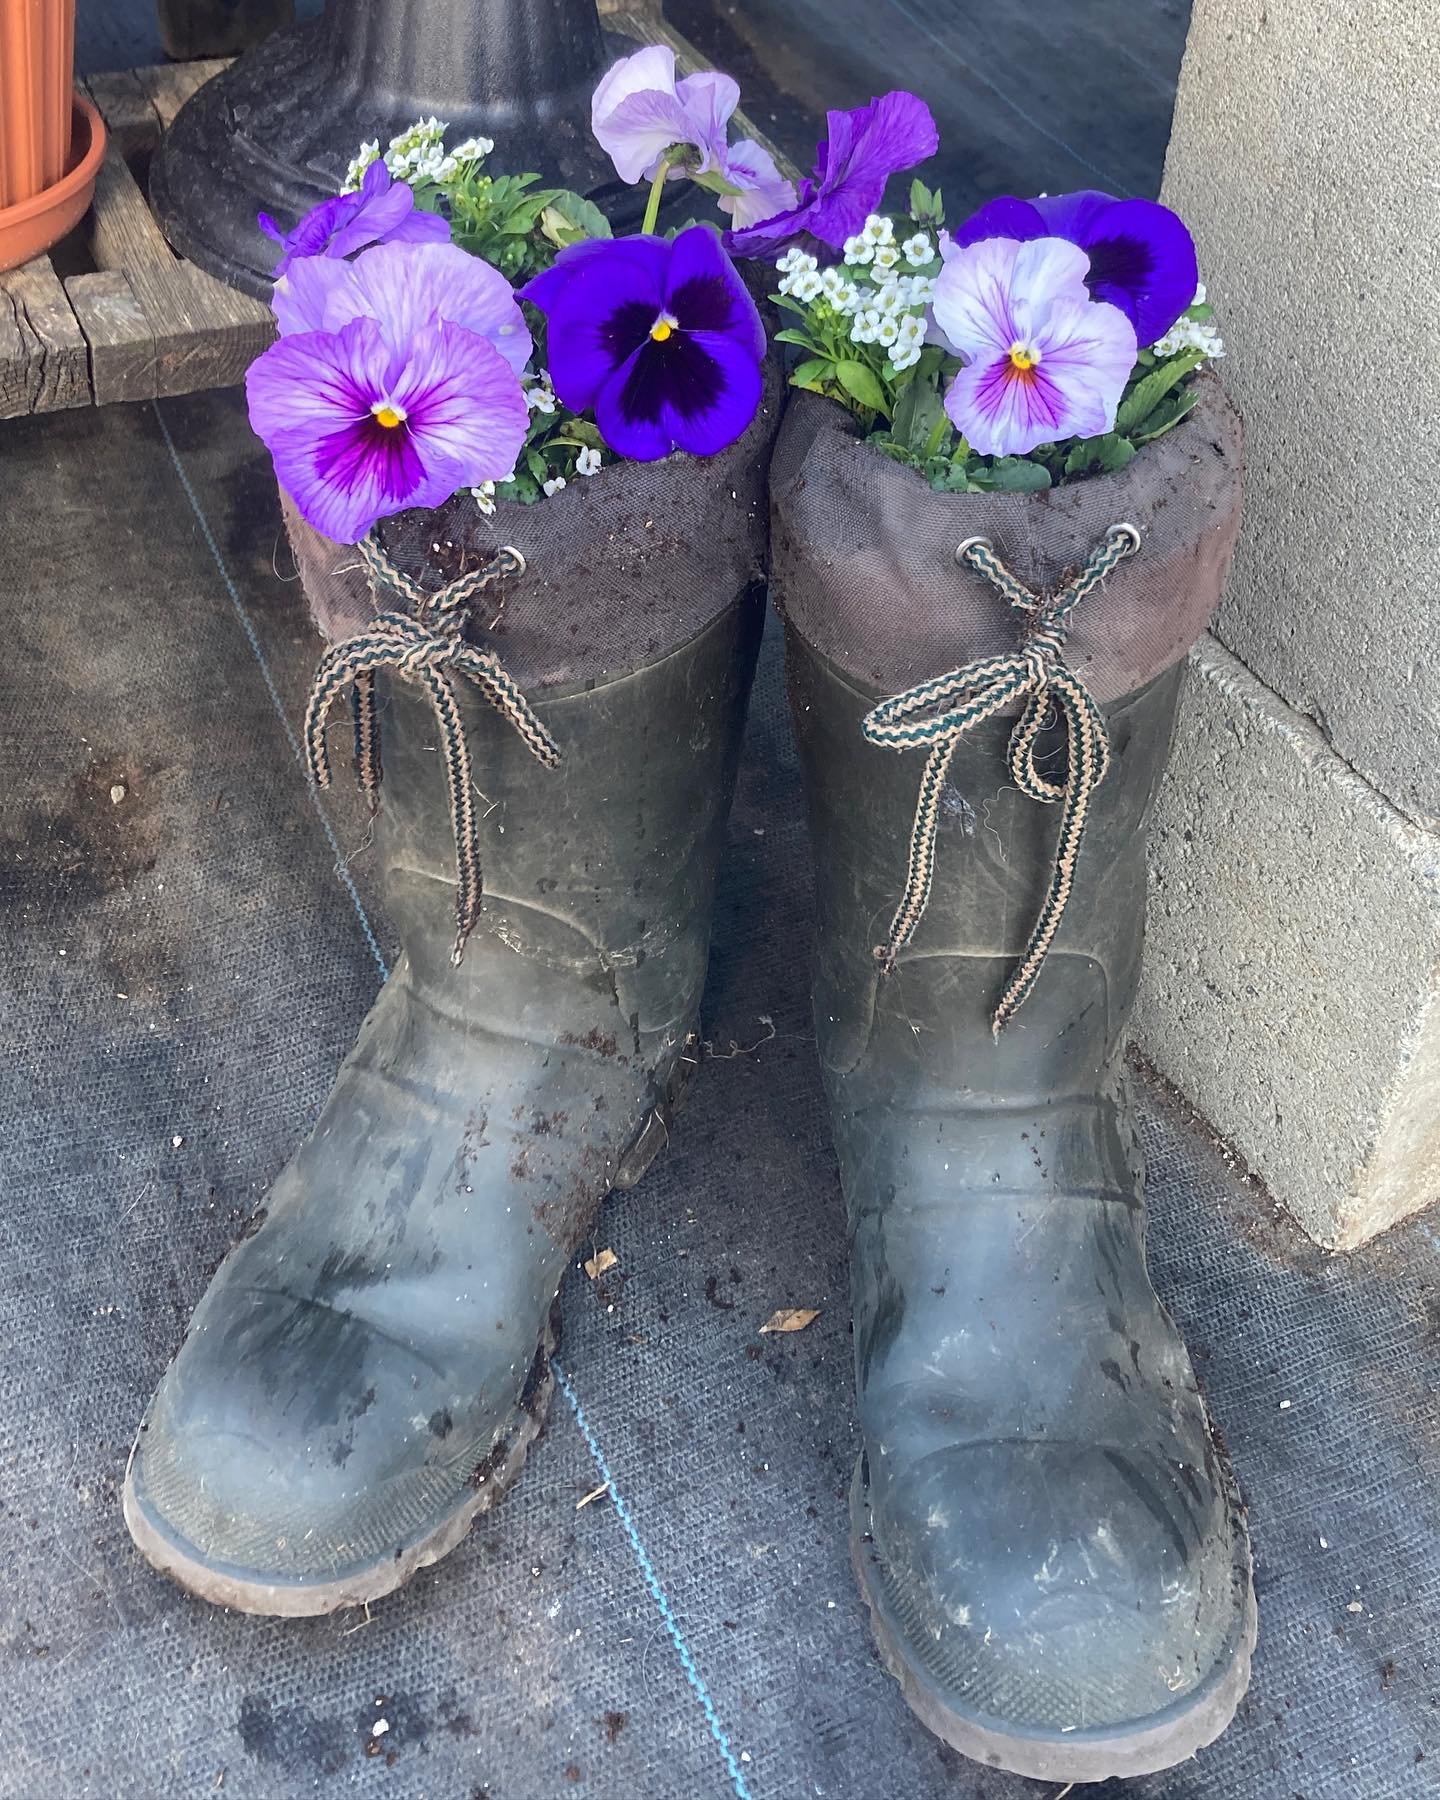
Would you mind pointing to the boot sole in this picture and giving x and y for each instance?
(1144, 1747)
(173, 1558)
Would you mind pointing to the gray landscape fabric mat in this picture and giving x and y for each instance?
(183, 969)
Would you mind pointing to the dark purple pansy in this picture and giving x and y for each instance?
(661, 339)
(1142, 258)
(383, 212)
(864, 149)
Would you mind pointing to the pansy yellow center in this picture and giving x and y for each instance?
(663, 326)
(1023, 358)
(388, 414)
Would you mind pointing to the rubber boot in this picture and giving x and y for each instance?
(367, 1371)
(1044, 1526)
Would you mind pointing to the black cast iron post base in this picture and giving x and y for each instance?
(276, 132)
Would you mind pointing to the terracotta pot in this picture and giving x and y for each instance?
(33, 225)
(37, 59)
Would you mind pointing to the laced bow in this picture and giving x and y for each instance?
(426, 645)
(936, 715)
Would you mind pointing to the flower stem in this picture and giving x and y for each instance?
(652, 205)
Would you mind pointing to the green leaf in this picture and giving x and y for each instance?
(570, 217)
(805, 339)
(812, 373)
(1012, 475)
(1168, 414)
(917, 412)
(1115, 452)
(926, 207)
(862, 384)
(1146, 394)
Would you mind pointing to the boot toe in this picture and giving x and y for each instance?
(1054, 1588)
(281, 1480)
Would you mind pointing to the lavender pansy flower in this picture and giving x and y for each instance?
(360, 429)
(639, 111)
(1142, 258)
(864, 149)
(1044, 360)
(405, 287)
(661, 339)
(383, 211)
(764, 191)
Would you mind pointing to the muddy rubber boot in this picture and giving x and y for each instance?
(1045, 1528)
(367, 1371)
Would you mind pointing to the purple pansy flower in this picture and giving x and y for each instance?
(661, 339)
(1043, 360)
(865, 148)
(639, 111)
(764, 191)
(362, 422)
(1142, 258)
(405, 287)
(383, 212)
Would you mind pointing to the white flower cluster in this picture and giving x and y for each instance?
(887, 308)
(540, 396)
(418, 154)
(1191, 334)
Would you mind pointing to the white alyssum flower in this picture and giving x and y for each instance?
(842, 295)
(866, 327)
(878, 230)
(891, 300)
(484, 497)
(909, 342)
(918, 250)
(541, 397)
(886, 332)
(799, 269)
(355, 174)
(1191, 334)
(858, 251)
(553, 485)
(474, 149)
(919, 290)
(587, 462)
(886, 256)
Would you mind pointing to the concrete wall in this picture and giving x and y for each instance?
(1293, 985)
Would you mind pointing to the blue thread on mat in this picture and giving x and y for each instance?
(652, 1581)
(592, 1443)
(239, 605)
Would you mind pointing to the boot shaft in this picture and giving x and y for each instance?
(601, 870)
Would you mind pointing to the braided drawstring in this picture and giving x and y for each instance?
(425, 645)
(937, 714)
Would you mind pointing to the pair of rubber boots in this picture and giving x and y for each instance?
(1043, 1525)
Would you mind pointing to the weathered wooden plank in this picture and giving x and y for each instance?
(122, 343)
(128, 111)
(227, 331)
(44, 366)
(205, 334)
(648, 26)
(171, 84)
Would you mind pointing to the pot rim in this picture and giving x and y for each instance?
(86, 126)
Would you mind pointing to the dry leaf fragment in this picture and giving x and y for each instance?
(791, 1318)
(600, 1262)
